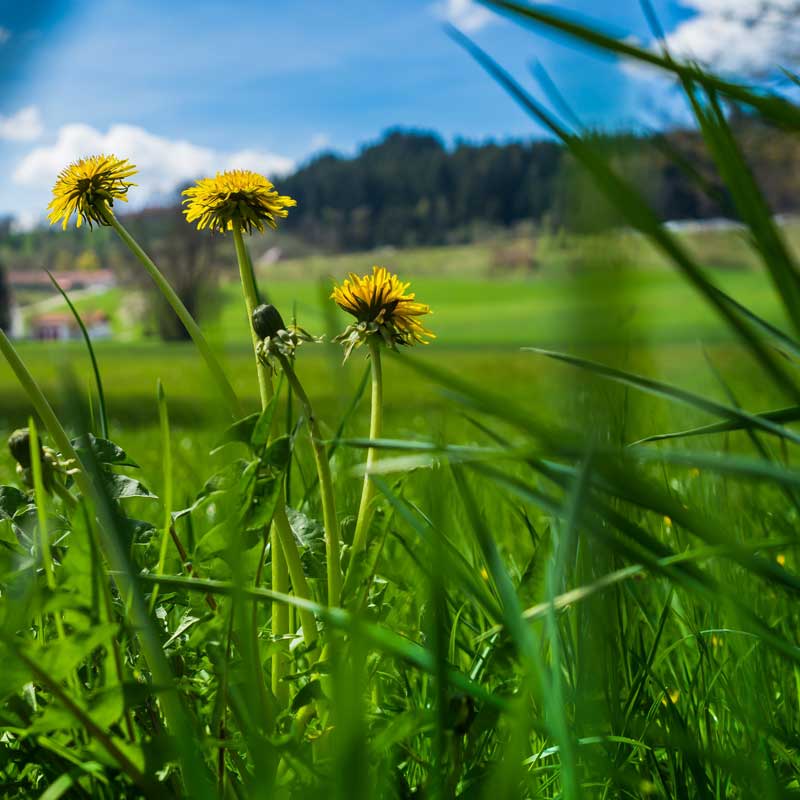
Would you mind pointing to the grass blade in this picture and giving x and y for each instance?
(101, 398)
(667, 391)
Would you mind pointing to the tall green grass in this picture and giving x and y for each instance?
(561, 596)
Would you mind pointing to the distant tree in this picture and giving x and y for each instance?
(185, 256)
(87, 261)
(410, 189)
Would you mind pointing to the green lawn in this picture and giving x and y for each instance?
(647, 318)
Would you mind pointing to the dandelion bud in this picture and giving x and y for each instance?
(267, 321)
(19, 443)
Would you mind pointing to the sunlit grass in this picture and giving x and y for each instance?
(543, 605)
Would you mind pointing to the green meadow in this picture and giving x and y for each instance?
(643, 316)
(552, 554)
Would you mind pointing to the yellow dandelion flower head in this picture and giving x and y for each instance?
(87, 186)
(238, 198)
(380, 305)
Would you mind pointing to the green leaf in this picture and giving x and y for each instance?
(105, 451)
(240, 431)
(123, 486)
(11, 500)
(263, 427)
(58, 659)
(779, 415)
(310, 692)
(310, 535)
(278, 452)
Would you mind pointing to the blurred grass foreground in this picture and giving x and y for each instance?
(552, 553)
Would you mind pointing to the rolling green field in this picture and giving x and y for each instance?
(647, 317)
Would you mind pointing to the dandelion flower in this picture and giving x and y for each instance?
(235, 198)
(380, 305)
(87, 187)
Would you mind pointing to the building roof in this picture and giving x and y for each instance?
(67, 280)
(53, 318)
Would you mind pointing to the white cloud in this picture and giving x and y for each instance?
(320, 141)
(25, 221)
(258, 161)
(24, 126)
(5, 35)
(466, 15)
(163, 164)
(744, 37)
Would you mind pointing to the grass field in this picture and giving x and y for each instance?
(475, 582)
(646, 316)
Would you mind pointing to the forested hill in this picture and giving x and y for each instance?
(410, 189)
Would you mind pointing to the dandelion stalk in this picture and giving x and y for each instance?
(88, 188)
(280, 576)
(251, 301)
(235, 202)
(385, 315)
(329, 519)
(375, 430)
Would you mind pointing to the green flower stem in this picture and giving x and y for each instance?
(251, 301)
(280, 620)
(280, 577)
(375, 428)
(285, 555)
(197, 781)
(326, 487)
(180, 309)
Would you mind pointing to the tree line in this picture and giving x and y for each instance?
(410, 189)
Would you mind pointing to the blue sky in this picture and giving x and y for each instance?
(190, 87)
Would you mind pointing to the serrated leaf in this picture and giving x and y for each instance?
(186, 622)
(122, 486)
(263, 426)
(278, 453)
(310, 535)
(11, 500)
(240, 431)
(57, 660)
(105, 451)
(310, 692)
